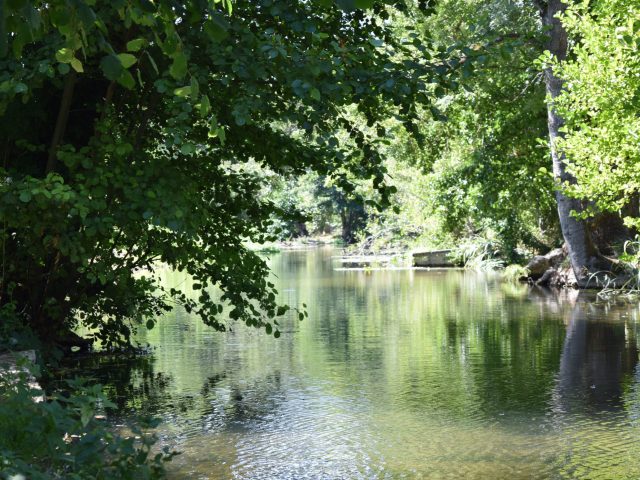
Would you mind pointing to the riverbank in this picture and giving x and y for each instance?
(552, 269)
(300, 243)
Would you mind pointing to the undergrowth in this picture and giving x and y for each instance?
(63, 437)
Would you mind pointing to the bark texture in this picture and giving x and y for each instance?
(61, 122)
(585, 258)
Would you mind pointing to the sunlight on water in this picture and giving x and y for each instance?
(396, 374)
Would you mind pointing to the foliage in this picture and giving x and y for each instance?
(628, 284)
(488, 164)
(126, 132)
(14, 334)
(478, 253)
(63, 438)
(414, 219)
(481, 169)
(600, 105)
(312, 204)
(514, 273)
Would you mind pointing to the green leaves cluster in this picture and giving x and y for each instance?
(481, 162)
(88, 31)
(65, 438)
(600, 105)
(126, 131)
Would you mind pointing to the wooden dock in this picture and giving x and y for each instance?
(364, 261)
(433, 259)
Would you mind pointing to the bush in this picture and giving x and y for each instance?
(479, 253)
(63, 438)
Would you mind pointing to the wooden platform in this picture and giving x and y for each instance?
(433, 258)
(364, 261)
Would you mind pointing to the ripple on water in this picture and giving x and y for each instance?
(400, 375)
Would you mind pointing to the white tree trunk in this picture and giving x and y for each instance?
(584, 256)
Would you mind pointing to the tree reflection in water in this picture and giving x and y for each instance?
(396, 373)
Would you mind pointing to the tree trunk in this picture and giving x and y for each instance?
(62, 120)
(585, 258)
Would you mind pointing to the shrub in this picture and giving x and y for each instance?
(63, 438)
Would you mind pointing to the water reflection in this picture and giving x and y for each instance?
(397, 374)
(598, 359)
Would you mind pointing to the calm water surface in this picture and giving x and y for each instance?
(396, 374)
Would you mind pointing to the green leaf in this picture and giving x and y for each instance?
(111, 67)
(76, 65)
(213, 127)
(276, 334)
(182, 91)
(60, 15)
(153, 63)
(315, 94)
(126, 59)
(64, 55)
(364, 4)
(205, 106)
(86, 14)
(139, 75)
(150, 324)
(216, 28)
(25, 197)
(222, 135)
(136, 45)
(187, 149)
(195, 87)
(178, 68)
(127, 80)
(86, 414)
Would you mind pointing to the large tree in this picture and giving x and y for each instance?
(495, 43)
(124, 132)
(600, 104)
(587, 262)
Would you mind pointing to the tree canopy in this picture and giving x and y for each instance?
(126, 127)
(601, 103)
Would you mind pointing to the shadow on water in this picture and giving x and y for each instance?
(396, 374)
(599, 357)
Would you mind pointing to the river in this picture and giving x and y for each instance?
(395, 374)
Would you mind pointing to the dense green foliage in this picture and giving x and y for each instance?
(477, 168)
(484, 160)
(64, 438)
(484, 176)
(126, 132)
(601, 105)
